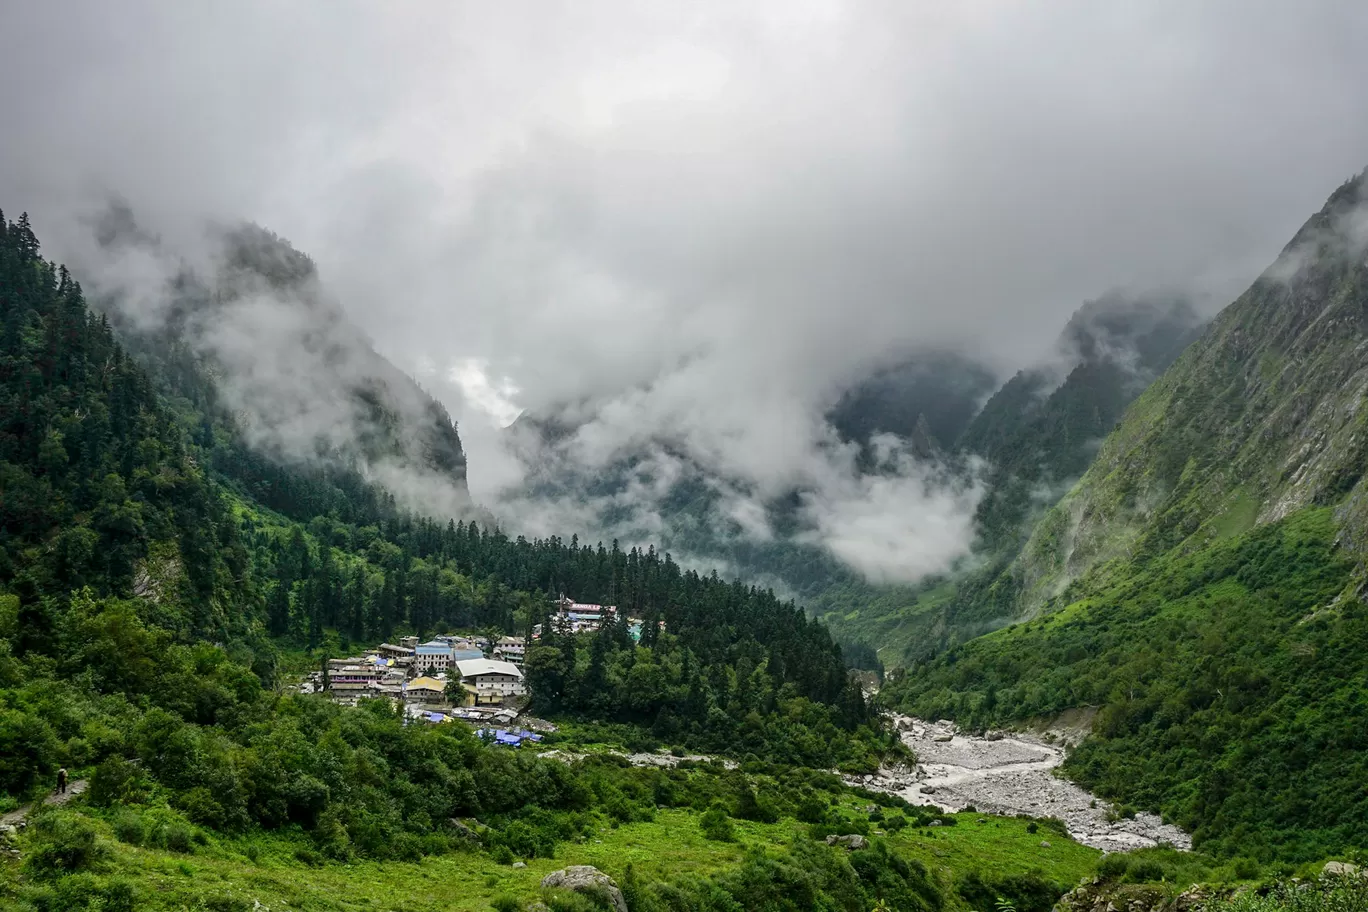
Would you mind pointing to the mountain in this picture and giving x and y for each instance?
(142, 519)
(929, 398)
(1042, 427)
(1201, 587)
(1035, 436)
(246, 334)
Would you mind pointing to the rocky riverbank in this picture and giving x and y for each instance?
(1010, 773)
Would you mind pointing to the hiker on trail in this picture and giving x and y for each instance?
(61, 781)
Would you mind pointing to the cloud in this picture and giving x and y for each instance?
(300, 381)
(703, 220)
(911, 520)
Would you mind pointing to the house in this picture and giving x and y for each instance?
(425, 690)
(355, 672)
(581, 617)
(434, 655)
(409, 643)
(391, 651)
(490, 681)
(510, 649)
(440, 653)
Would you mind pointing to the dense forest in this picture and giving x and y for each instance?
(107, 486)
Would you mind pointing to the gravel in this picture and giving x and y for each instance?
(1012, 774)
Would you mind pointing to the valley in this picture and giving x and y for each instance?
(1193, 605)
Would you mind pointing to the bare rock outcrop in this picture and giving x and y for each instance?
(586, 879)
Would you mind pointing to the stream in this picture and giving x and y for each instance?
(1009, 773)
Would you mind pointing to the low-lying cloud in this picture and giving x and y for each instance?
(702, 220)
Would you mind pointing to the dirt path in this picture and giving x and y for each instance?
(14, 818)
(1011, 775)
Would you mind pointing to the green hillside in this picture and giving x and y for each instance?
(146, 596)
(1036, 435)
(1202, 584)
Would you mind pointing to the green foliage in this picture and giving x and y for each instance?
(1325, 894)
(717, 825)
(1227, 689)
(1030, 892)
(60, 843)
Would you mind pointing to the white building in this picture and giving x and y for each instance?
(491, 681)
(510, 649)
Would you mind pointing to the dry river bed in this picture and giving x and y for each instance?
(1009, 773)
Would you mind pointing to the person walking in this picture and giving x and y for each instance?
(61, 781)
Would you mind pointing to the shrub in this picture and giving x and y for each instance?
(1145, 870)
(1032, 828)
(506, 903)
(502, 854)
(224, 902)
(128, 827)
(116, 781)
(716, 825)
(200, 805)
(1029, 892)
(895, 823)
(812, 809)
(308, 857)
(81, 891)
(62, 843)
(1113, 867)
(180, 838)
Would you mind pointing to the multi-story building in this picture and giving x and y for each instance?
(490, 681)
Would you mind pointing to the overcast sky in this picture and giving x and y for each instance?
(707, 214)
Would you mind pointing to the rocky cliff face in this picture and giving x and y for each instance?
(1263, 415)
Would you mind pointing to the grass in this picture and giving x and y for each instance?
(1000, 846)
(264, 868)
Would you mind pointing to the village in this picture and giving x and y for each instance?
(468, 678)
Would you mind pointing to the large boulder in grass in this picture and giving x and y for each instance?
(586, 879)
(852, 842)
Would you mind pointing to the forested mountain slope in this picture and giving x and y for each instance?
(148, 500)
(1035, 436)
(246, 336)
(1262, 416)
(1202, 584)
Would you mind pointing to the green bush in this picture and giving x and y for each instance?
(180, 838)
(1145, 870)
(717, 826)
(81, 892)
(1030, 892)
(224, 902)
(61, 843)
(1113, 866)
(116, 781)
(128, 827)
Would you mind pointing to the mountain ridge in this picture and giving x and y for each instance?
(1202, 585)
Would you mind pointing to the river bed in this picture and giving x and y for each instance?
(1010, 773)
